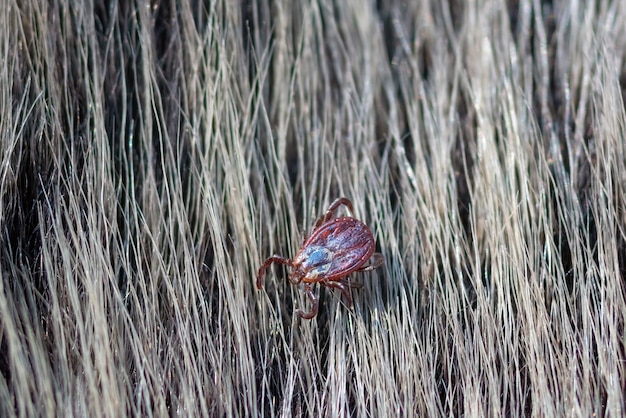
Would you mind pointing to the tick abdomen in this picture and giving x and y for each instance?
(336, 249)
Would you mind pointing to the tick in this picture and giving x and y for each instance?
(336, 248)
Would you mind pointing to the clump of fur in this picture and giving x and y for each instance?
(151, 157)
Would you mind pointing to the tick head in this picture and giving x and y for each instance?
(296, 274)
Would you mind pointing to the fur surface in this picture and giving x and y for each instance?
(153, 153)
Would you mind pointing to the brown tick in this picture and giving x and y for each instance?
(336, 248)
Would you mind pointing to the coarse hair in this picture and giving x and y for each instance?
(153, 154)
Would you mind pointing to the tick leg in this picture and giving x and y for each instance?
(344, 287)
(376, 260)
(332, 208)
(353, 285)
(273, 259)
(314, 302)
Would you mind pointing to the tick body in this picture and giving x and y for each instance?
(336, 248)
